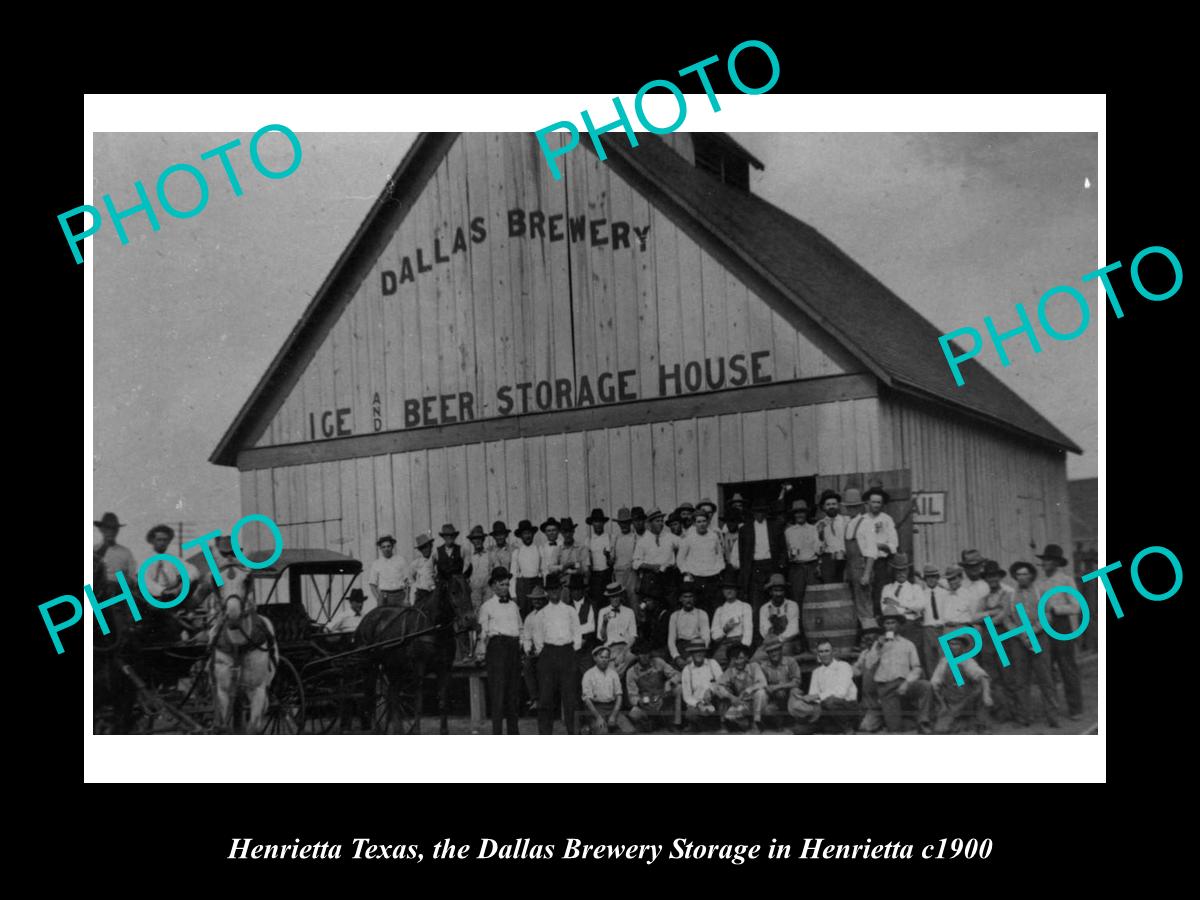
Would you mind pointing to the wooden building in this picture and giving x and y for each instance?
(495, 344)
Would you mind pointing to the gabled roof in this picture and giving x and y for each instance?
(802, 269)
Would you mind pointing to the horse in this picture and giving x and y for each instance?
(245, 653)
(433, 617)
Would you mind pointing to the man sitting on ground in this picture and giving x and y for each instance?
(697, 681)
(961, 701)
(601, 693)
(783, 678)
(830, 690)
(741, 692)
(653, 686)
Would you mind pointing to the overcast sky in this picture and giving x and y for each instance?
(187, 318)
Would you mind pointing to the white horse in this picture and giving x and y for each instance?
(245, 652)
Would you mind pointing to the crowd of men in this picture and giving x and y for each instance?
(676, 620)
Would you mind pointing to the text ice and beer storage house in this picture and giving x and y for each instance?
(495, 344)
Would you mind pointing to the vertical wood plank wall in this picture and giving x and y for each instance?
(522, 309)
(1004, 496)
(660, 464)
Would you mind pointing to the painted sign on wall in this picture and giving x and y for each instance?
(929, 507)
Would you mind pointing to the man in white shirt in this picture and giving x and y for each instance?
(500, 635)
(831, 690)
(702, 555)
(117, 558)
(697, 681)
(974, 586)
(803, 546)
(527, 570)
(623, 547)
(654, 557)
(780, 616)
(529, 667)
(556, 639)
(601, 693)
(831, 530)
(860, 560)
(901, 593)
(616, 628)
(687, 625)
(351, 618)
(733, 621)
(762, 552)
(387, 578)
(886, 541)
(601, 547)
(551, 548)
(962, 607)
(478, 563)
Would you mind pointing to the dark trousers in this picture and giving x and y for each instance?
(1006, 683)
(597, 582)
(529, 675)
(1033, 668)
(524, 586)
(756, 593)
(891, 702)
(1062, 654)
(800, 576)
(959, 703)
(558, 687)
(833, 571)
(708, 593)
(881, 578)
(504, 681)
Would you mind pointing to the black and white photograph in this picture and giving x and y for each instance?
(441, 443)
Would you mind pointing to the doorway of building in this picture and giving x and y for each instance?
(780, 493)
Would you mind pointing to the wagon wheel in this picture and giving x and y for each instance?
(405, 697)
(285, 701)
(324, 697)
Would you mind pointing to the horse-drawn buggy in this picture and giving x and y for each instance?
(277, 665)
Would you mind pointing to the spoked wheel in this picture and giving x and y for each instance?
(323, 702)
(285, 701)
(405, 698)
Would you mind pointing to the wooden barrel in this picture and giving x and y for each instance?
(829, 616)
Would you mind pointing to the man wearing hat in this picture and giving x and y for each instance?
(697, 681)
(616, 627)
(622, 556)
(500, 546)
(350, 619)
(706, 505)
(452, 571)
(601, 693)
(733, 621)
(601, 559)
(973, 587)
(780, 617)
(573, 558)
(892, 678)
(576, 596)
(803, 545)
(702, 557)
(737, 505)
(1064, 614)
(961, 606)
(479, 569)
(116, 557)
(551, 547)
(860, 559)
(923, 604)
(420, 574)
(650, 683)
(762, 551)
(529, 668)
(956, 701)
(878, 539)
(1004, 680)
(654, 558)
(783, 677)
(527, 568)
(831, 531)
(1030, 667)
(387, 577)
(556, 640)
(902, 593)
(687, 516)
(731, 535)
(741, 692)
(686, 625)
(500, 646)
